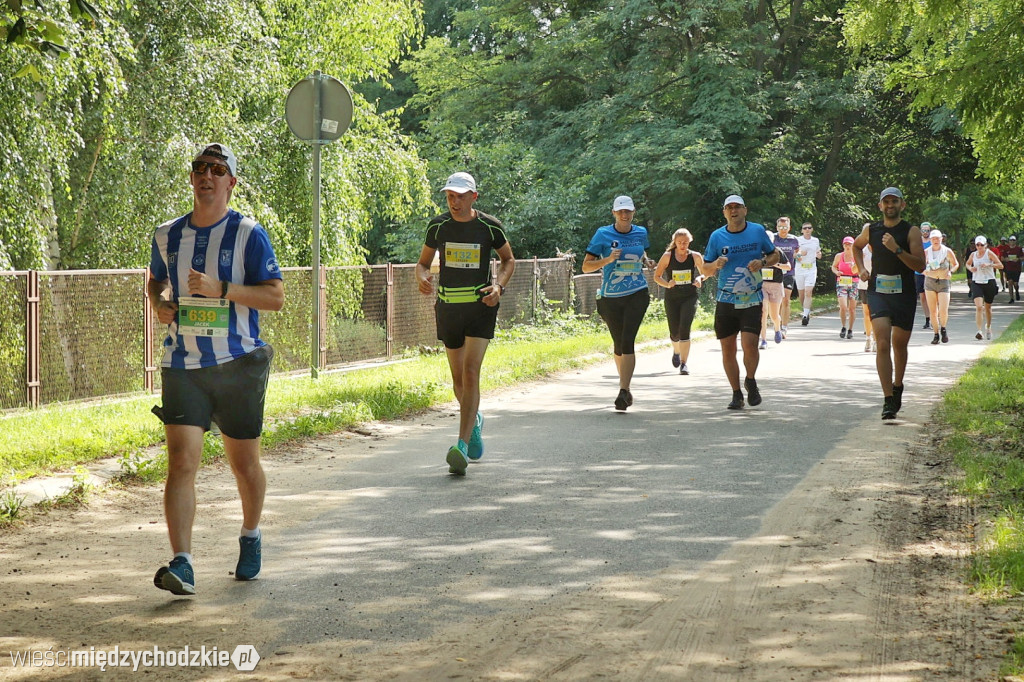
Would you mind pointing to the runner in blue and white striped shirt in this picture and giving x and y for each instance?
(211, 272)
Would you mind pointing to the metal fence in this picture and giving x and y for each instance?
(73, 335)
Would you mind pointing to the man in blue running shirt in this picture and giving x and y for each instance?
(736, 252)
(212, 270)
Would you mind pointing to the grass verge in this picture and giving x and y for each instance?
(984, 413)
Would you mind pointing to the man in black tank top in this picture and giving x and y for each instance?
(896, 254)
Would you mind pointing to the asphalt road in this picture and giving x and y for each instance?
(569, 491)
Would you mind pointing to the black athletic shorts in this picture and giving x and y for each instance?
(899, 308)
(456, 321)
(232, 394)
(789, 281)
(987, 291)
(730, 320)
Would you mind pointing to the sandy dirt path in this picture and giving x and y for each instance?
(801, 540)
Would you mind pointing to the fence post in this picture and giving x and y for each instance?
(535, 289)
(148, 366)
(389, 309)
(32, 382)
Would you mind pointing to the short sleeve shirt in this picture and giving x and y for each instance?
(464, 250)
(736, 283)
(238, 250)
(626, 275)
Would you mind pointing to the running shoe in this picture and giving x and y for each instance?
(945, 337)
(867, 345)
(1011, 299)
(842, 333)
(629, 398)
(737, 401)
(457, 459)
(778, 336)
(988, 332)
(621, 400)
(897, 397)
(935, 339)
(785, 330)
(805, 320)
(753, 395)
(888, 408)
(177, 577)
(978, 335)
(763, 344)
(927, 323)
(250, 558)
(476, 439)
(683, 369)
(675, 359)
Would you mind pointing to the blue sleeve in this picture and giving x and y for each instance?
(597, 244)
(260, 261)
(711, 251)
(157, 267)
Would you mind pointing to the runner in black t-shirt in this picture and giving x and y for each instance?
(466, 309)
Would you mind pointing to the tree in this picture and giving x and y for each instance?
(967, 56)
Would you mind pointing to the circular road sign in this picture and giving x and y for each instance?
(335, 109)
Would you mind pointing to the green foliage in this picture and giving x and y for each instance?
(98, 147)
(558, 108)
(962, 55)
(11, 505)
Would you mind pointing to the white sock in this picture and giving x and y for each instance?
(807, 312)
(187, 555)
(246, 533)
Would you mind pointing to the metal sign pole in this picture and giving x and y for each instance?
(314, 366)
(319, 111)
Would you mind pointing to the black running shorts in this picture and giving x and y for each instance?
(899, 308)
(730, 320)
(232, 395)
(456, 321)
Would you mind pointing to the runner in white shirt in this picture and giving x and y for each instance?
(805, 269)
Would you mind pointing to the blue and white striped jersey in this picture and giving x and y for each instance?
(238, 250)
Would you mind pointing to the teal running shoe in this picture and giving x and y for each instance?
(457, 459)
(177, 577)
(476, 439)
(250, 558)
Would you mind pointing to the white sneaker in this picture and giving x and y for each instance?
(867, 345)
(988, 332)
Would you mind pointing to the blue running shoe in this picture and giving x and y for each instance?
(675, 359)
(457, 459)
(250, 558)
(778, 336)
(476, 439)
(176, 578)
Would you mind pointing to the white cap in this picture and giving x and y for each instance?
(460, 182)
(222, 152)
(935, 233)
(623, 202)
(890, 192)
(980, 240)
(733, 199)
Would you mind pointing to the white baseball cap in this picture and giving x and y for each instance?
(460, 182)
(980, 240)
(222, 152)
(623, 203)
(935, 233)
(733, 199)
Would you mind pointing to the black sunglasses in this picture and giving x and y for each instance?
(218, 169)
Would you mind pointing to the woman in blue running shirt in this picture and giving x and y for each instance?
(619, 250)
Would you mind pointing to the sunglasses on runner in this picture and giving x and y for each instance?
(218, 169)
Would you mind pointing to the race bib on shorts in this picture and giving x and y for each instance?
(462, 256)
(889, 284)
(845, 281)
(203, 316)
(682, 276)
